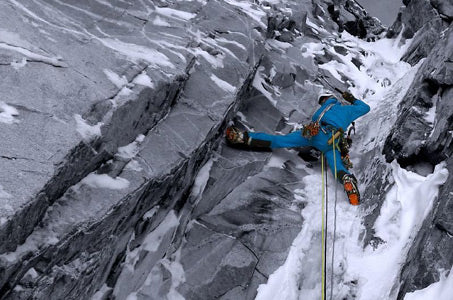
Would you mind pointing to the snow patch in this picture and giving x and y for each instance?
(19, 64)
(152, 240)
(201, 180)
(133, 165)
(104, 181)
(131, 150)
(87, 131)
(312, 49)
(32, 273)
(102, 293)
(223, 84)
(143, 79)
(137, 52)
(158, 21)
(8, 113)
(174, 13)
(405, 207)
(251, 10)
(430, 115)
(259, 83)
(118, 81)
(55, 61)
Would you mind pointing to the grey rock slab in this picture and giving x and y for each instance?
(444, 7)
(65, 72)
(413, 17)
(232, 166)
(214, 264)
(259, 213)
(411, 135)
(172, 151)
(423, 42)
(82, 206)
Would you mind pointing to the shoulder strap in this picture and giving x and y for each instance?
(324, 111)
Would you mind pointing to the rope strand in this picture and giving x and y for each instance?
(335, 218)
(323, 244)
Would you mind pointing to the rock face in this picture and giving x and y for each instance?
(115, 178)
(422, 134)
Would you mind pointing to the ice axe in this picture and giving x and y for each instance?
(331, 86)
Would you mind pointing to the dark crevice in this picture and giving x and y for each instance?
(440, 226)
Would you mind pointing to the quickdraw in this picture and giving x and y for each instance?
(310, 130)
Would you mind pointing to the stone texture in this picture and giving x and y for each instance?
(417, 139)
(84, 247)
(205, 61)
(413, 136)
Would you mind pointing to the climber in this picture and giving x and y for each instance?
(331, 119)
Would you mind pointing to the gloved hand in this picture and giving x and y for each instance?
(348, 97)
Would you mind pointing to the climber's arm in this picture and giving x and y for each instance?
(357, 108)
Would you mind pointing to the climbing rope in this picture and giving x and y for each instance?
(323, 241)
(335, 216)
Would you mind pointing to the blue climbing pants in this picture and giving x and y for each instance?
(295, 139)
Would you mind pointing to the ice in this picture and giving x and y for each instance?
(87, 131)
(104, 181)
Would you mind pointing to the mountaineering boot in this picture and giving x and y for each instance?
(351, 188)
(235, 136)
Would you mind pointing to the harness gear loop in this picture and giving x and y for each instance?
(311, 129)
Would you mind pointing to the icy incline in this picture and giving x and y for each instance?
(370, 273)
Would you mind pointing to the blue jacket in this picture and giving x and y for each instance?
(341, 116)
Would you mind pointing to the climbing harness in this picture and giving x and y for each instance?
(311, 129)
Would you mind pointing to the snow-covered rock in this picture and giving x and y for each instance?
(116, 182)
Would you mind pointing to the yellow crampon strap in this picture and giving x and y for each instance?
(323, 244)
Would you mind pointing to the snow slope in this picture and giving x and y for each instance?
(370, 273)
